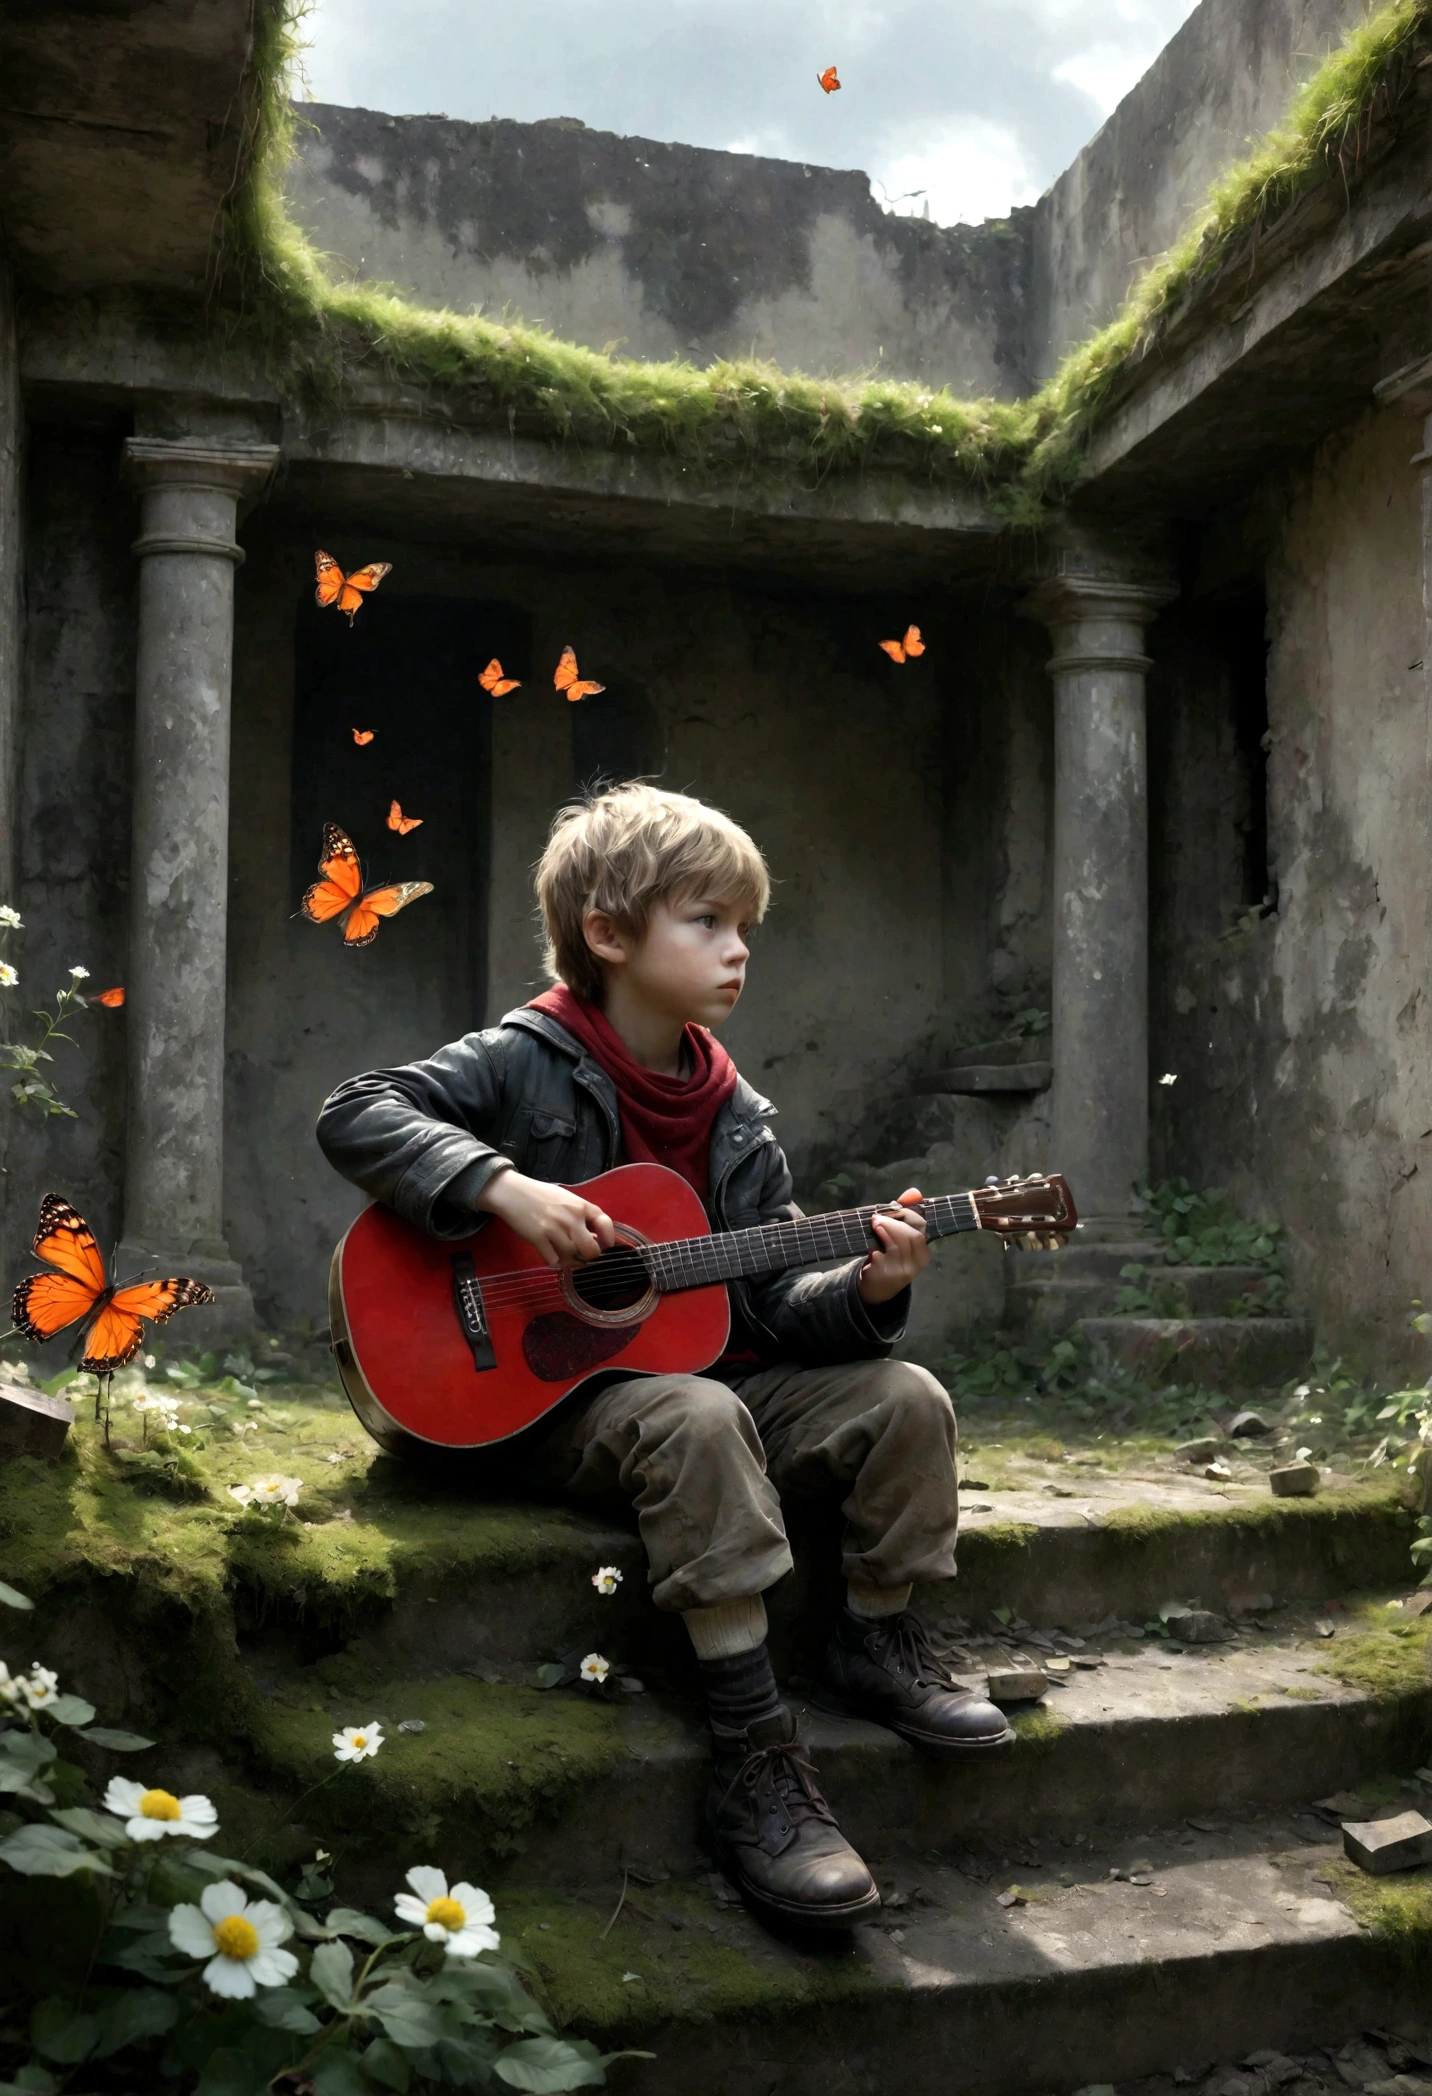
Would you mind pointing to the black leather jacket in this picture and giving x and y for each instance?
(426, 1138)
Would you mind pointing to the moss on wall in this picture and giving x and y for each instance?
(321, 331)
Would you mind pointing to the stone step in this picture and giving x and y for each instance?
(1243, 1943)
(1058, 1543)
(1048, 1292)
(1216, 1352)
(1263, 1722)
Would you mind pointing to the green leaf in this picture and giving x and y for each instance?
(336, 2074)
(133, 2013)
(13, 1598)
(117, 1741)
(384, 2064)
(70, 1710)
(347, 1921)
(551, 1675)
(50, 1852)
(230, 2071)
(282, 2008)
(27, 1750)
(332, 1973)
(92, 1826)
(32, 2080)
(546, 2066)
(405, 2015)
(60, 2034)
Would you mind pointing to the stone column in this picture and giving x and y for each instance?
(1099, 1105)
(174, 1158)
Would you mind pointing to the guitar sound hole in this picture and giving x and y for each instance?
(615, 1281)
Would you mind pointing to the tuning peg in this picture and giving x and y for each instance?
(991, 1181)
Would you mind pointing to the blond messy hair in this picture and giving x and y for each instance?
(625, 851)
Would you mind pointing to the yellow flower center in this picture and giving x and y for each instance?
(236, 1938)
(446, 1913)
(360, 1739)
(159, 1804)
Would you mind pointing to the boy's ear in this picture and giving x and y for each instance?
(604, 937)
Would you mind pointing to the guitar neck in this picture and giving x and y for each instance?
(810, 1240)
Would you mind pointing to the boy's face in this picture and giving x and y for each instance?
(690, 962)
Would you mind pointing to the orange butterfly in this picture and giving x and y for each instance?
(110, 999)
(339, 888)
(402, 823)
(346, 591)
(362, 736)
(50, 1302)
(907, 649)
(565, 678)
(493, 680)
(829, 81)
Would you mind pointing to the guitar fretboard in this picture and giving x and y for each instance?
(810, 1240)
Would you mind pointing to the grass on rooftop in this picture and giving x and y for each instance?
(324, 332)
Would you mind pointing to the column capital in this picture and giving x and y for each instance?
(187, 462)
(1097, 618)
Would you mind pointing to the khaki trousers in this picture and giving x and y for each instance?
(706, 1468)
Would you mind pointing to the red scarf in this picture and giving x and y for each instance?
(665, 1120)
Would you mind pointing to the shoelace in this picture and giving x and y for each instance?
(785, 1771)
(908, 1646)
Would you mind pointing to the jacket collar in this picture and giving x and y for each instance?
(745, 1103)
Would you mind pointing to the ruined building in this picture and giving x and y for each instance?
(1163, 771)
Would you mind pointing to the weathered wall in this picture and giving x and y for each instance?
(12, 430)
(1303, 1044)
(777, 706)
(667, 250)
(1223, 80)
(74, 746)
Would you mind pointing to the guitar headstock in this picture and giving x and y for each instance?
(1035, 1214)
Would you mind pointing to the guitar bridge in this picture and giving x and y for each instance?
(467, 1301)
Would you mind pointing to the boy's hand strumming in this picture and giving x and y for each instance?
(563, 1227)
(902, 1255)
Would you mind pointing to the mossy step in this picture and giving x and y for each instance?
(571, 1788)
(1251, 1934)
(1219, 1353)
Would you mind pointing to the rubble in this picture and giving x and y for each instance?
(1294, 1480)
(1382, 1845)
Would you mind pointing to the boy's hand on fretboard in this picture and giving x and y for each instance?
(902, 1255)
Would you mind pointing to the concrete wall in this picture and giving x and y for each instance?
(1223, 80)
(1303, 1045)
(665, 250)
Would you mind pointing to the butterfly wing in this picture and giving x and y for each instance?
(360, 584)
(64, 1239)
(583, 689)
(492, 680)
(329, 578)
(362, 736)
(115, 1336)
(362, 927)
(895, 649)
(829, 80)
(402, 823)
(110, 999)
(567, 679)
(340, 881)
(46, 1303)
(913, 643)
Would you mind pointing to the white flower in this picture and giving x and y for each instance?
(40, 1686)
(79, 974)
(594, 1667)
(357, 1742)
(606, 1579)
(243, 1493)
(149, 1815)
(1169, 1077)
(460, 1919)
(11, 917)
(276, 1490)
(240, 1940)
(10, 1685)
(149, 1360)
(8, 976)
(1303, 1454)
(1303, 1390)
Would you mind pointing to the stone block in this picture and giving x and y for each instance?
(1382, 1845)
(1294, 1480)
(1197, 1626)
(32, 1424)
(1017, 1684)
(1202, 1450)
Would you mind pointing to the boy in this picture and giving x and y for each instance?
(647, 897)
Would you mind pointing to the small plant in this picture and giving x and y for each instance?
(1205, 1229)
(205, 1969)
(31, 1088)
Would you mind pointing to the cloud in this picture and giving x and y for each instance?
(978, 106)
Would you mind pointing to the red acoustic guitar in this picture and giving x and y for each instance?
(462, 1345)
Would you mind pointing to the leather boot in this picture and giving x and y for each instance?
(777, 1836)
(888, 1670)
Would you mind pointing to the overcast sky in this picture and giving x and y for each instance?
(978, 104)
